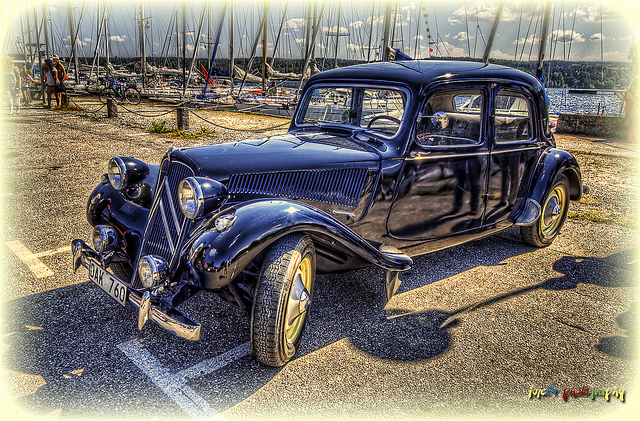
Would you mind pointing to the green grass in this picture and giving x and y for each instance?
(588, 216)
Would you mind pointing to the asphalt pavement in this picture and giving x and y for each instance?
(476, 331)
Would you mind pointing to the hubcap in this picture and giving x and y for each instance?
(553, 207)
(299, 301)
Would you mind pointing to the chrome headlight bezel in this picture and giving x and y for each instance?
(199, 195)
(124, 172)
(152, 270)
(192, 204)
(118, 180)
(104, 238)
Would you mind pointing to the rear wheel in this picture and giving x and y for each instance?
(132, 96)
(282, 298)
(554, 212)
(106, 93)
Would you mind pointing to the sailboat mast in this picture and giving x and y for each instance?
(44, 28)
(106, 40)
(275, 46)
(39, 51)
(385, 39)
(335, 60)
(492, 35)
(543, 38)
(264, 49)
(373, 8)
(72, 36)
(231, 35)
(143, 50)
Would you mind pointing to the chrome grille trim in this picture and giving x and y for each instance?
(336, 186)
(164, 233)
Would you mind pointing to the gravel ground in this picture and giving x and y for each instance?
(470, 331)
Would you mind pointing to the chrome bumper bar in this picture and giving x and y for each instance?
(168, 318)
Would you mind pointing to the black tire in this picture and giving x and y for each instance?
(106, 93)
(289, 262)
(132, 96)
(555, 206)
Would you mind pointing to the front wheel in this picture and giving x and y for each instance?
(106, 93)
(282, 298)
(554, 212)
(132, 96)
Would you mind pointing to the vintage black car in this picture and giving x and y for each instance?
(381, 162)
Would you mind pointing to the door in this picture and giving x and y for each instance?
(514, 148)
(442, 184)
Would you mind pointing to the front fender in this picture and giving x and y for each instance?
(552, 163)
(217, 257)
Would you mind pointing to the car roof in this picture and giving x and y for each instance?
(417, 73)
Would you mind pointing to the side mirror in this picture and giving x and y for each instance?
(439, 119)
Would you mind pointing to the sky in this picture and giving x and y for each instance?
(579, 29)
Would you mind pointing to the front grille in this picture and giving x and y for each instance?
(166, 224)
(340, 187)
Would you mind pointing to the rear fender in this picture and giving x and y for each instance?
(552, 163)
(216, 258)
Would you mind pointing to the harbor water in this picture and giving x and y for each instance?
(605, 102)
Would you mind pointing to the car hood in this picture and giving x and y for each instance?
(278, 153)
(333, 173)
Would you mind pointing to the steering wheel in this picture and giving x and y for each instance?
(383, 116)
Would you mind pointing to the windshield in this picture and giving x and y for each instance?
(379, 110)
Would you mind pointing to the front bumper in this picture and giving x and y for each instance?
(168, 318)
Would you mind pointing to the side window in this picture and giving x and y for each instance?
(451, 118)
(513, 121)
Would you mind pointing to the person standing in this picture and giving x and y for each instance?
(62, 75)
(50, 77)
(25, 79)
(12, 85)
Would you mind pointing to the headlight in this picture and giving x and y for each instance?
(105, 238)
(123, 172)
(199, 196)
(117, 173)
(152, 270)
(191, 198)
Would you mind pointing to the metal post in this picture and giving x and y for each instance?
(183, 118)
(112, 108)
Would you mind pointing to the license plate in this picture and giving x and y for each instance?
(109, 283)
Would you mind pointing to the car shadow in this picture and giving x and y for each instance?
(69, 337)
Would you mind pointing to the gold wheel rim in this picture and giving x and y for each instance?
(292, 333)
(553, 209)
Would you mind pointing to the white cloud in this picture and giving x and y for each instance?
(566, 36)
(118, 38)
(443, 49)
(377, 20)
(482, 11)
(334, 30)
(201, 48)
(87, 40)
(297, 23)
(530, 39)
(598, 37)
(462, 36)
(418, 37)
(357, 24)
(497, 54)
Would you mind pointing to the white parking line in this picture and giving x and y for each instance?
(174, 384)
(39, 269)
(52, 252)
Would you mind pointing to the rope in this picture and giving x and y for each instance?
(142, 113)
(84, 109)
(265, 129)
